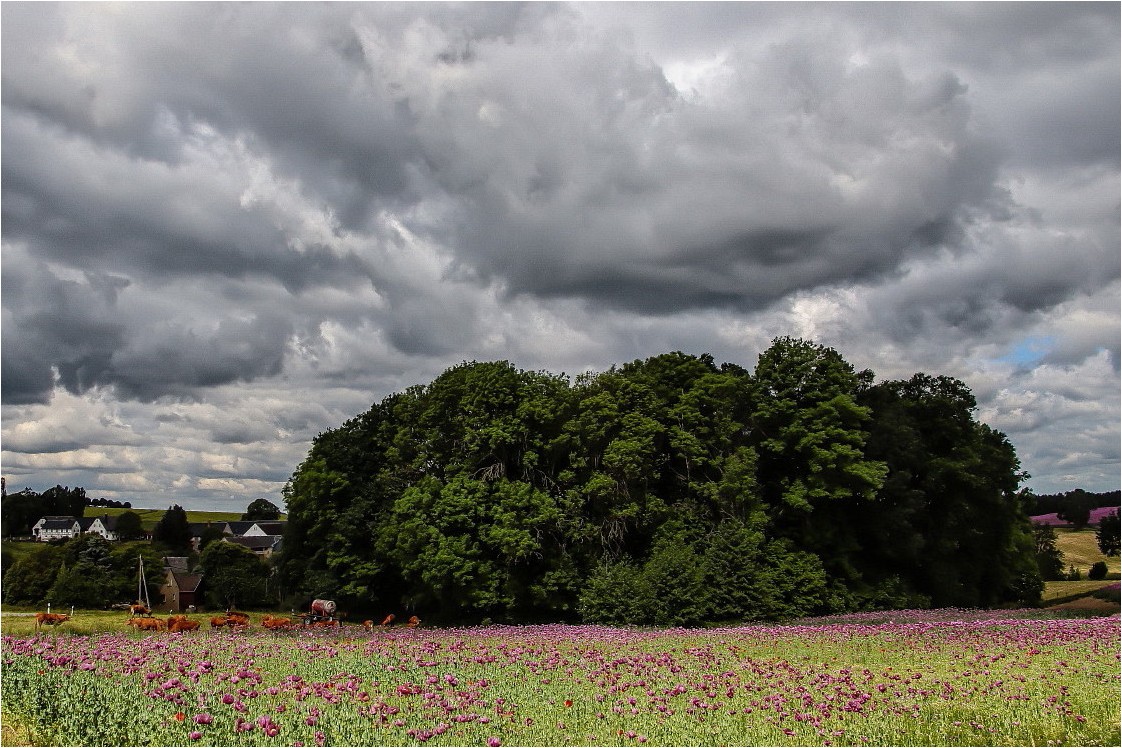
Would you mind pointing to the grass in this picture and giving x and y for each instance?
(19, 621)
(149, 517)
(1081, 550)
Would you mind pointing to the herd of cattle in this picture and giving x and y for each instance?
(142, 619)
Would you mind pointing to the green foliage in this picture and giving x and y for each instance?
(86, 584)
(1097, 571)
(261, 509)
(19, 511)
(129, 526)
(1077, 508)
(1049, 558)
(668, 490)
(1107, 535)
(31, 577)
(234, 576)
(210, 534)
(950, 517)
(173, 531)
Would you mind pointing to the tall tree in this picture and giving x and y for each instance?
(173, 531)
(810, 432)
(1049, 557)
(951, 522)
(1107, 535)
(129, 526)
(233, 575)
(1077, 506)
(261, 509)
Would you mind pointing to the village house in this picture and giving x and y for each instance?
(181, 590)
(63, 528)
(56, 528)
(105, 526)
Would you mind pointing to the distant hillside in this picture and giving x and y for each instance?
(1052, 519)
(149, 517)
(1052, 503)
(1081, 550)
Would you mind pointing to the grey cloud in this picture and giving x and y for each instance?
(204, 203)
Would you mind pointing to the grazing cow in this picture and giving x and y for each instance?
(138, 610)
(275, 622)
(368, 625)
(413, 622)
(387, 620)
(235, 618)
(219, 621)
(50, 619)
(179, 623)
(147, 624)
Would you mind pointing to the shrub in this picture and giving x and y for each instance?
(1098, 570)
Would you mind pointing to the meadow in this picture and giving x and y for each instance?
(904, 678)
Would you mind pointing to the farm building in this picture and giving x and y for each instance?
(180, 589)
(56, 528)
(105, 526)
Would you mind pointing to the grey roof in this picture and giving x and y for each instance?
(239, 527)
(272, 526)
(59, 523)
(110, 523)
(177, 564)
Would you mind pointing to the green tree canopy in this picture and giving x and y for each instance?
(129, 526)
(261, 509)
(668, 490)
(31, 577)
(173, 531)
(233, 576)
(1107, 534)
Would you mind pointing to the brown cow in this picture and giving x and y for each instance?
(234, 618)
(219, 621)
(50, 619)
(148, 624)
(413, 622)
(273, 622)
(324, 624)
(138, 610)
(179, 623)
(387, 620)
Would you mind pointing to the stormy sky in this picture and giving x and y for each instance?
(230, 227)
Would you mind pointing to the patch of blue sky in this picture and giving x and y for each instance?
(1029, 351)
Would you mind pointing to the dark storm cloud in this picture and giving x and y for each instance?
(345, 198)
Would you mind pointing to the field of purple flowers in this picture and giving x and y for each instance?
(920, 679)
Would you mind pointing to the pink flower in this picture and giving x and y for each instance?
(194, 735)
(494, 742)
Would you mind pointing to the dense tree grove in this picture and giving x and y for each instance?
(24, 508)
(1073, 503)
(87, 571)
(671, 490)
